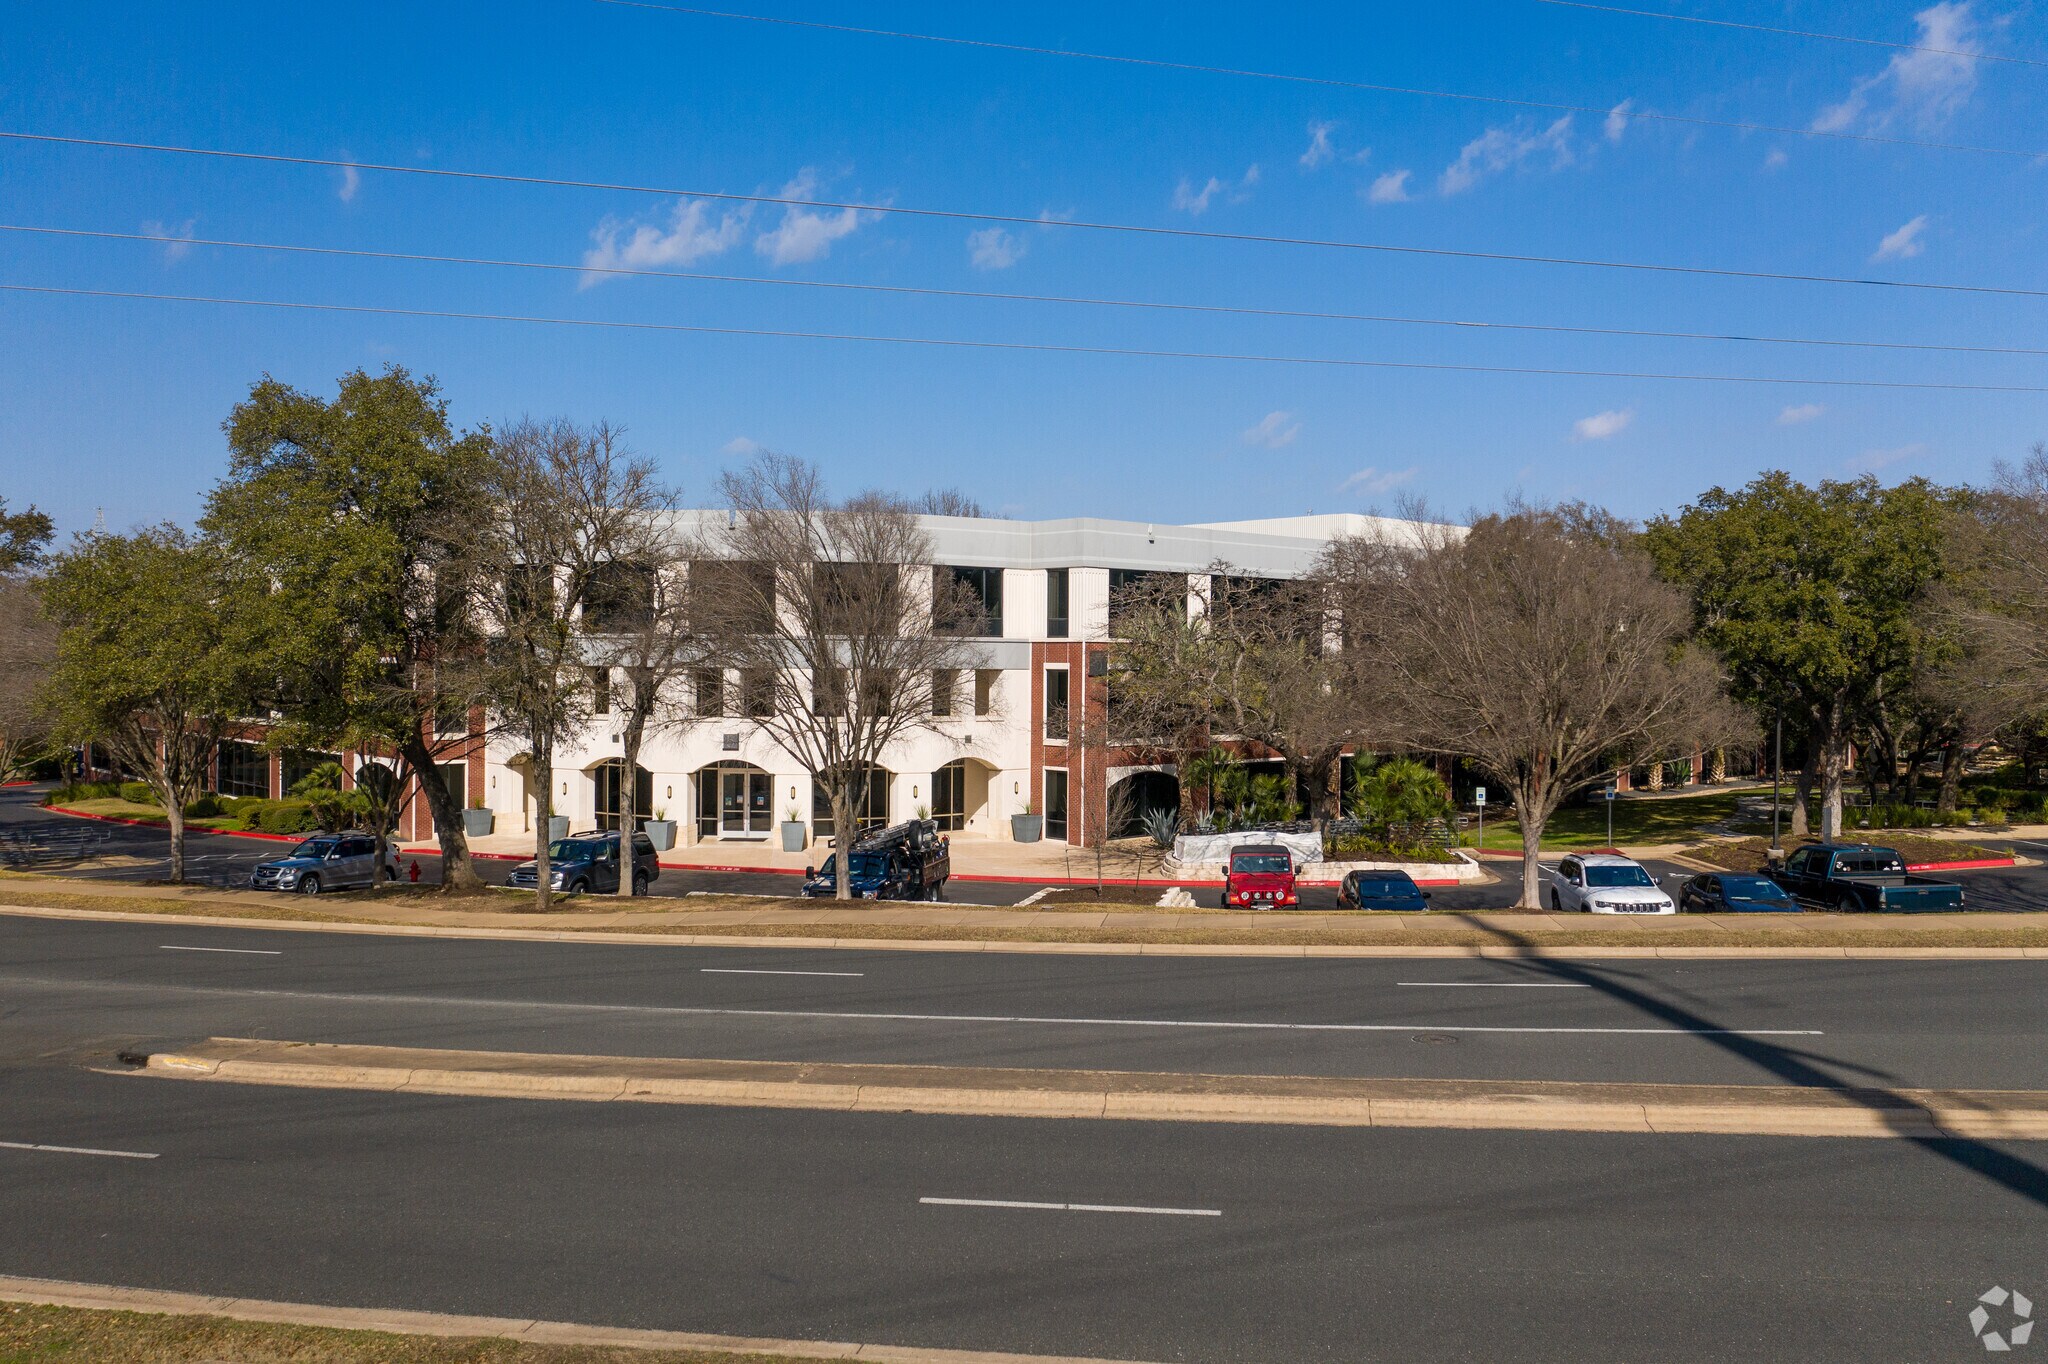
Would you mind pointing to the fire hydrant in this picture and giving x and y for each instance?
(414, 874)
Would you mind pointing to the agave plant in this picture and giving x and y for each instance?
(1162, 825)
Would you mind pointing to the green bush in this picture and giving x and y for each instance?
(83, 790)
(277, 816)
(138, 793)
(207, 806)
(1363, 848)
(1399, 797)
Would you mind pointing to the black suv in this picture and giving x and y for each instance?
(590, 862)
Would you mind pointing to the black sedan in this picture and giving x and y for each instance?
(1728, 893)
(1381, 890)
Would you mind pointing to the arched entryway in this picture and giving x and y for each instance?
(1135, 796)
(607, 781)
(734, 800)
(959, 797)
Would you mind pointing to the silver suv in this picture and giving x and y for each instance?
(326, 862)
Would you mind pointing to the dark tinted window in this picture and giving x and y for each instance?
(1254, 864)
(1056, 603)
(1386, 885)
(1751, 888)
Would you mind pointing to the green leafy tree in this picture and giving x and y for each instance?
(1398, 797)
(24, 536)
(349, 520)
(1813, 597)
(153, 659)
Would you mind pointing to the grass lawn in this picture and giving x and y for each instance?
(115, 808)
(1671, 819)
(79, 1335)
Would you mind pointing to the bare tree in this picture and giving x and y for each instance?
(947, 502)
(831, 609)
(28, 652)
(1540, 646)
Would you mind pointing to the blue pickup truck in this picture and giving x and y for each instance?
(1859, 877)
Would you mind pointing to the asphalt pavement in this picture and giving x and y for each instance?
(1152, 1241)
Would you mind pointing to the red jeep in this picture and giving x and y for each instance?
(1260, 876)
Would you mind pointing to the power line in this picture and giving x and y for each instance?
(1794, 32)
(1012, 219)
(1418, 91)
(1045, 347)
(998, 296)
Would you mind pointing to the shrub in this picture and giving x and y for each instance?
(1399, 797)
(206, 807)
(1365, 848)
(277, 816)
(83, 790)
(137, 793)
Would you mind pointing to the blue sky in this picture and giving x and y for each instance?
(118, 403)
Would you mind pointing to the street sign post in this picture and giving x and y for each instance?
(1479, 799)
(1608, 795)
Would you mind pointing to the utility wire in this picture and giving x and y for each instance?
(921, 291)
(965, 344)
(1077, 224)
(1419, 91)
(1793, 32)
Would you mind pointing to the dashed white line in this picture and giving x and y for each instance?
(1068, 1207)
(748, 971)
(1494, 984)
(238, 951)
(76, 1150)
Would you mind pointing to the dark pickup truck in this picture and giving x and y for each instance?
(908, 861)
(1843, 876)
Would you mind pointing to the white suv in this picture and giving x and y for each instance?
(1602, 883)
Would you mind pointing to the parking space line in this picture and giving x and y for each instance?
(238, 951)
(1494, 984)
(1068, 1207)
(76, 1150)
(748, 971)
(1034, 897)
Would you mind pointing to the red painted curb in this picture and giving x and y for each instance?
(158, 824)
(1967, 865)
(16, 783)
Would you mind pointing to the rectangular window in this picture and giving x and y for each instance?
(454, 775)
(600, 691)
(985, 680)
(1056, 704)
(967, 601)
(300, 764)
(1135, 589)
(1056, 603)
(618, 597)
(244, 769)
(943, 683)
(1056, 804)
(828, 692)
(707, 687)
(757, 693)
(451, 715)
(733, 596)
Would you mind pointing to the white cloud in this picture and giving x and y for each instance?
(1804, 412)
(1274, 430)
(994, 249)
(177, 249)
(1391, 188)
(351, 181)
(1603, 425)
(1870, 461)
(1903, 244)
(1372, 482)
(741, 447)
(1499, 149)
(1617, 120)
(1195, 202)
(1925, 86)
(806, 234)
(1776, 160)
(1320, 151)
(690, 236)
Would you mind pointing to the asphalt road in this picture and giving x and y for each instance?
(1281, 1244)
(85, 989)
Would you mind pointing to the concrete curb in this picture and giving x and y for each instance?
(105, 1297)
(1530, 1106)
(622, 938)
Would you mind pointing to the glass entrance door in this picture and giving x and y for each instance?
(743, 804)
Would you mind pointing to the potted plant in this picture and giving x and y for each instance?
(661, 830)
(794, 837)
(558, 827)
(478, 821)
(1027, 827)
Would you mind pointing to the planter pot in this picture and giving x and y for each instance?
(558, 827)
(661, 833)
(793, 839)
(477, 823)
(1026, 828)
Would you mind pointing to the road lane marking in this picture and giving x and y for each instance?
(1034, 897)
(1494, 984)
(76, 1150)
(1068, 1207)
(857, 1016)
(239, 951)
(749, 971)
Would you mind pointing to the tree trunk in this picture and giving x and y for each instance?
(1802, 789)
(1834, 759)
(544, 808)
(174, 817)
(380, 841)
(1532, 867)
(847, 834)
(1951, 778)
(457, 871)
(629, 784)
